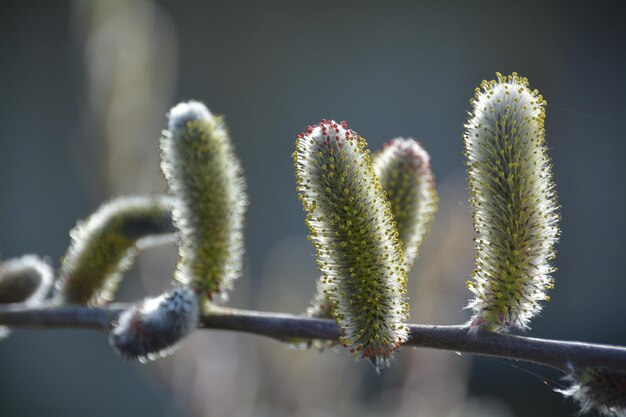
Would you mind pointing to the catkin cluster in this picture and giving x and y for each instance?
(351, 227)
(403, 169)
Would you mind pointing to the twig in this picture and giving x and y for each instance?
(553, 353)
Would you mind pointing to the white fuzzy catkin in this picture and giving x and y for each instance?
(104, 246)
(201, 169)
(26, 281)
(153, 328)
(403, 169)
(514, 204)
(597, 389)
(357, 246)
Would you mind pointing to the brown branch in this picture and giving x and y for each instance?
(553, 353)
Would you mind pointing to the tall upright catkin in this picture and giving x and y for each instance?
(403, 168)
(202, 171)
(357, 246)
(514, 203)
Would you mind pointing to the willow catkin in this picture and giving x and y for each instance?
(154, 327)
(202, 171)
(25, 281)
(514, 203)
(357, 246)
(104, 246)
(597, 389)
(403, 168)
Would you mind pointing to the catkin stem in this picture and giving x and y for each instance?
(553, 353)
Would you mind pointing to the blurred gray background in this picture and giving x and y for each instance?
(84, 88)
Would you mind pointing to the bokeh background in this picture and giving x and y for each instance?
(84, 88)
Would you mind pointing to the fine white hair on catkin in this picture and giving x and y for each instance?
(202, 171)
(403, 168)
(26, 280)
(514, 204)
(597, 389)
(351, 228)
(154, 327)
(105, 245)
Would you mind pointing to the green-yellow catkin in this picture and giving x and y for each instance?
(514, 204)
(597, 389)
(352, 229)
(403, 169)
(24, 281)
(202, 171)
(104, 246)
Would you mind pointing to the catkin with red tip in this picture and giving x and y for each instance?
(514, 204)
(403, 169)
(357, 246)
(202, 171)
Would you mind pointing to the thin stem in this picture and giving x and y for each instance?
(554, 353)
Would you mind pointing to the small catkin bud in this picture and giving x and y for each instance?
(597, 389)
(199, 163)
(26, 281)
(514, 204)
(104, 246)
(357, 246)
(403, 169)
(152, 329)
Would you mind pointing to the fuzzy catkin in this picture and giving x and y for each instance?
(514, 204)
(104, 246)
(597, 389)
(153, 328)
(357, 246)
(24, 281)
(403, 169)
(202, 171)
